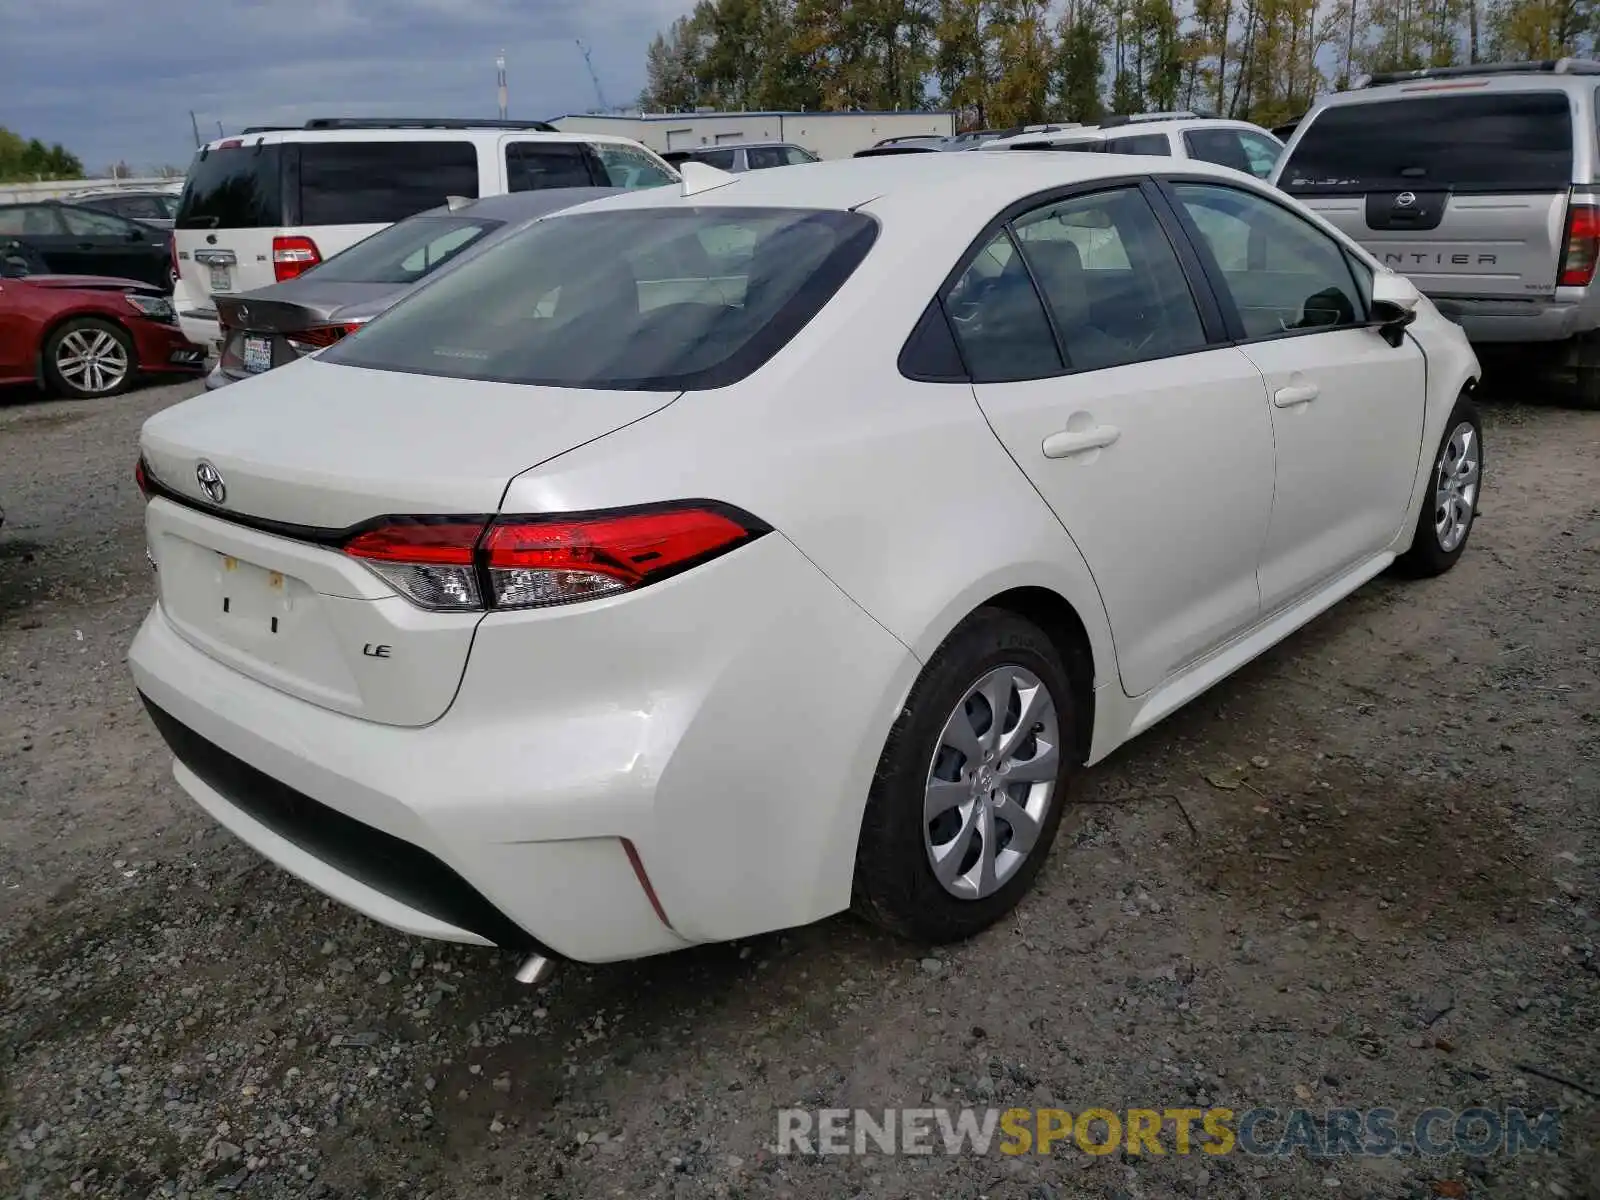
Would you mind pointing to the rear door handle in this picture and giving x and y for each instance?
(1069, 442)
(1288, 397)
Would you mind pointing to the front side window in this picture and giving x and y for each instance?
(629, 167)
(1282, 274)
(405, 251)
(1141, 143)
(378, 183)
(85, 222)
(999, 320)
(656, 299)
(1237, 148)
(762, 158)
(796, 155)
(1112, 280)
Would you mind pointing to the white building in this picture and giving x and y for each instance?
(825, 134)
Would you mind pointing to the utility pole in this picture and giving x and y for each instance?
(500, 81)
(599, 96)
(194, 125)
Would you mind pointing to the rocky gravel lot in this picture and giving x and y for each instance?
(1360, 873)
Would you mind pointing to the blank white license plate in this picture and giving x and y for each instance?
(257, 354)
(219, 277)
(253, 597)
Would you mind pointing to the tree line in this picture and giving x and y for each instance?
(23, 160)
(1003, 63)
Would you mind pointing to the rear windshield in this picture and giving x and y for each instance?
(405, 252)
(1504, 140)
(656, 299)
(236, 188)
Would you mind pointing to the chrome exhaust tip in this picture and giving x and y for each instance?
(536, 968)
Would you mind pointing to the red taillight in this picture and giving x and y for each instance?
(538, 561)
(1583, 246)
(430, 563)
(142, 478)
(293, 256)
(320, 337)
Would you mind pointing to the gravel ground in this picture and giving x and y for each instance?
(1360, 873)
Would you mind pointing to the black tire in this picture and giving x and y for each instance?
(895, 886)
(91, 328)
(1427, 556)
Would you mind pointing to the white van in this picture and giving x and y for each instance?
(270, 204)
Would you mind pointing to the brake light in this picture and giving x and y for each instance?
(320, 337)
(293, 256)
(467, 563)
(430, 563)
(1583, 246)
(142, 478)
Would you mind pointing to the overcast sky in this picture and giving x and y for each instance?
(115, 79)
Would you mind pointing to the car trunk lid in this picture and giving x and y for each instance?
(251, 571)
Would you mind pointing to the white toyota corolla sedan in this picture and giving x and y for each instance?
(708, 560)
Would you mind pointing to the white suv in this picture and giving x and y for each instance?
(1237, 144)
(270, 204)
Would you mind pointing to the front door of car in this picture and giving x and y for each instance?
(1347, 407)
(1152, 445)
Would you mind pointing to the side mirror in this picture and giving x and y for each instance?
(1394, 305)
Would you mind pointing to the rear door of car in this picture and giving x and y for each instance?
(39, 227)
(101, 243)
(1465, 190)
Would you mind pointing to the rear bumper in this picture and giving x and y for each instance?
(1490, 321)
(722, 733)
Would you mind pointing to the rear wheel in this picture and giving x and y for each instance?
(89, 357)
(1451, 504)
(971, 784)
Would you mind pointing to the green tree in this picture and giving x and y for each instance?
(23, 160)
(1080, 61)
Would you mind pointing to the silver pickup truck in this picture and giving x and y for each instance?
(1479, 183)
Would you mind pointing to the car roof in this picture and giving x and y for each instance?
(1101, 133)
(432, 133)
(731, 146)
(1431, 89)
(523, 206)
(924, 186)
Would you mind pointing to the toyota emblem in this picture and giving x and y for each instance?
(1405, 199)
(211, 483)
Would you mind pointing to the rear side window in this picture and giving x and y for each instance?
(1504, 140)
(372, 183)
(236, 188)
(535, 166)
(722, 160)
(655, 299)
(1143, 143)
(36, 219)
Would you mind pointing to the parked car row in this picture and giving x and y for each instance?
(460, 618)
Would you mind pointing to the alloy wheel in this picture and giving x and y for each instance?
(92, 360)
(1455, 490)
(991, 782)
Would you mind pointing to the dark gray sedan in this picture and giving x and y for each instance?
(276, 325)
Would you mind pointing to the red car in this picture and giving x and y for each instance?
(84, 335)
